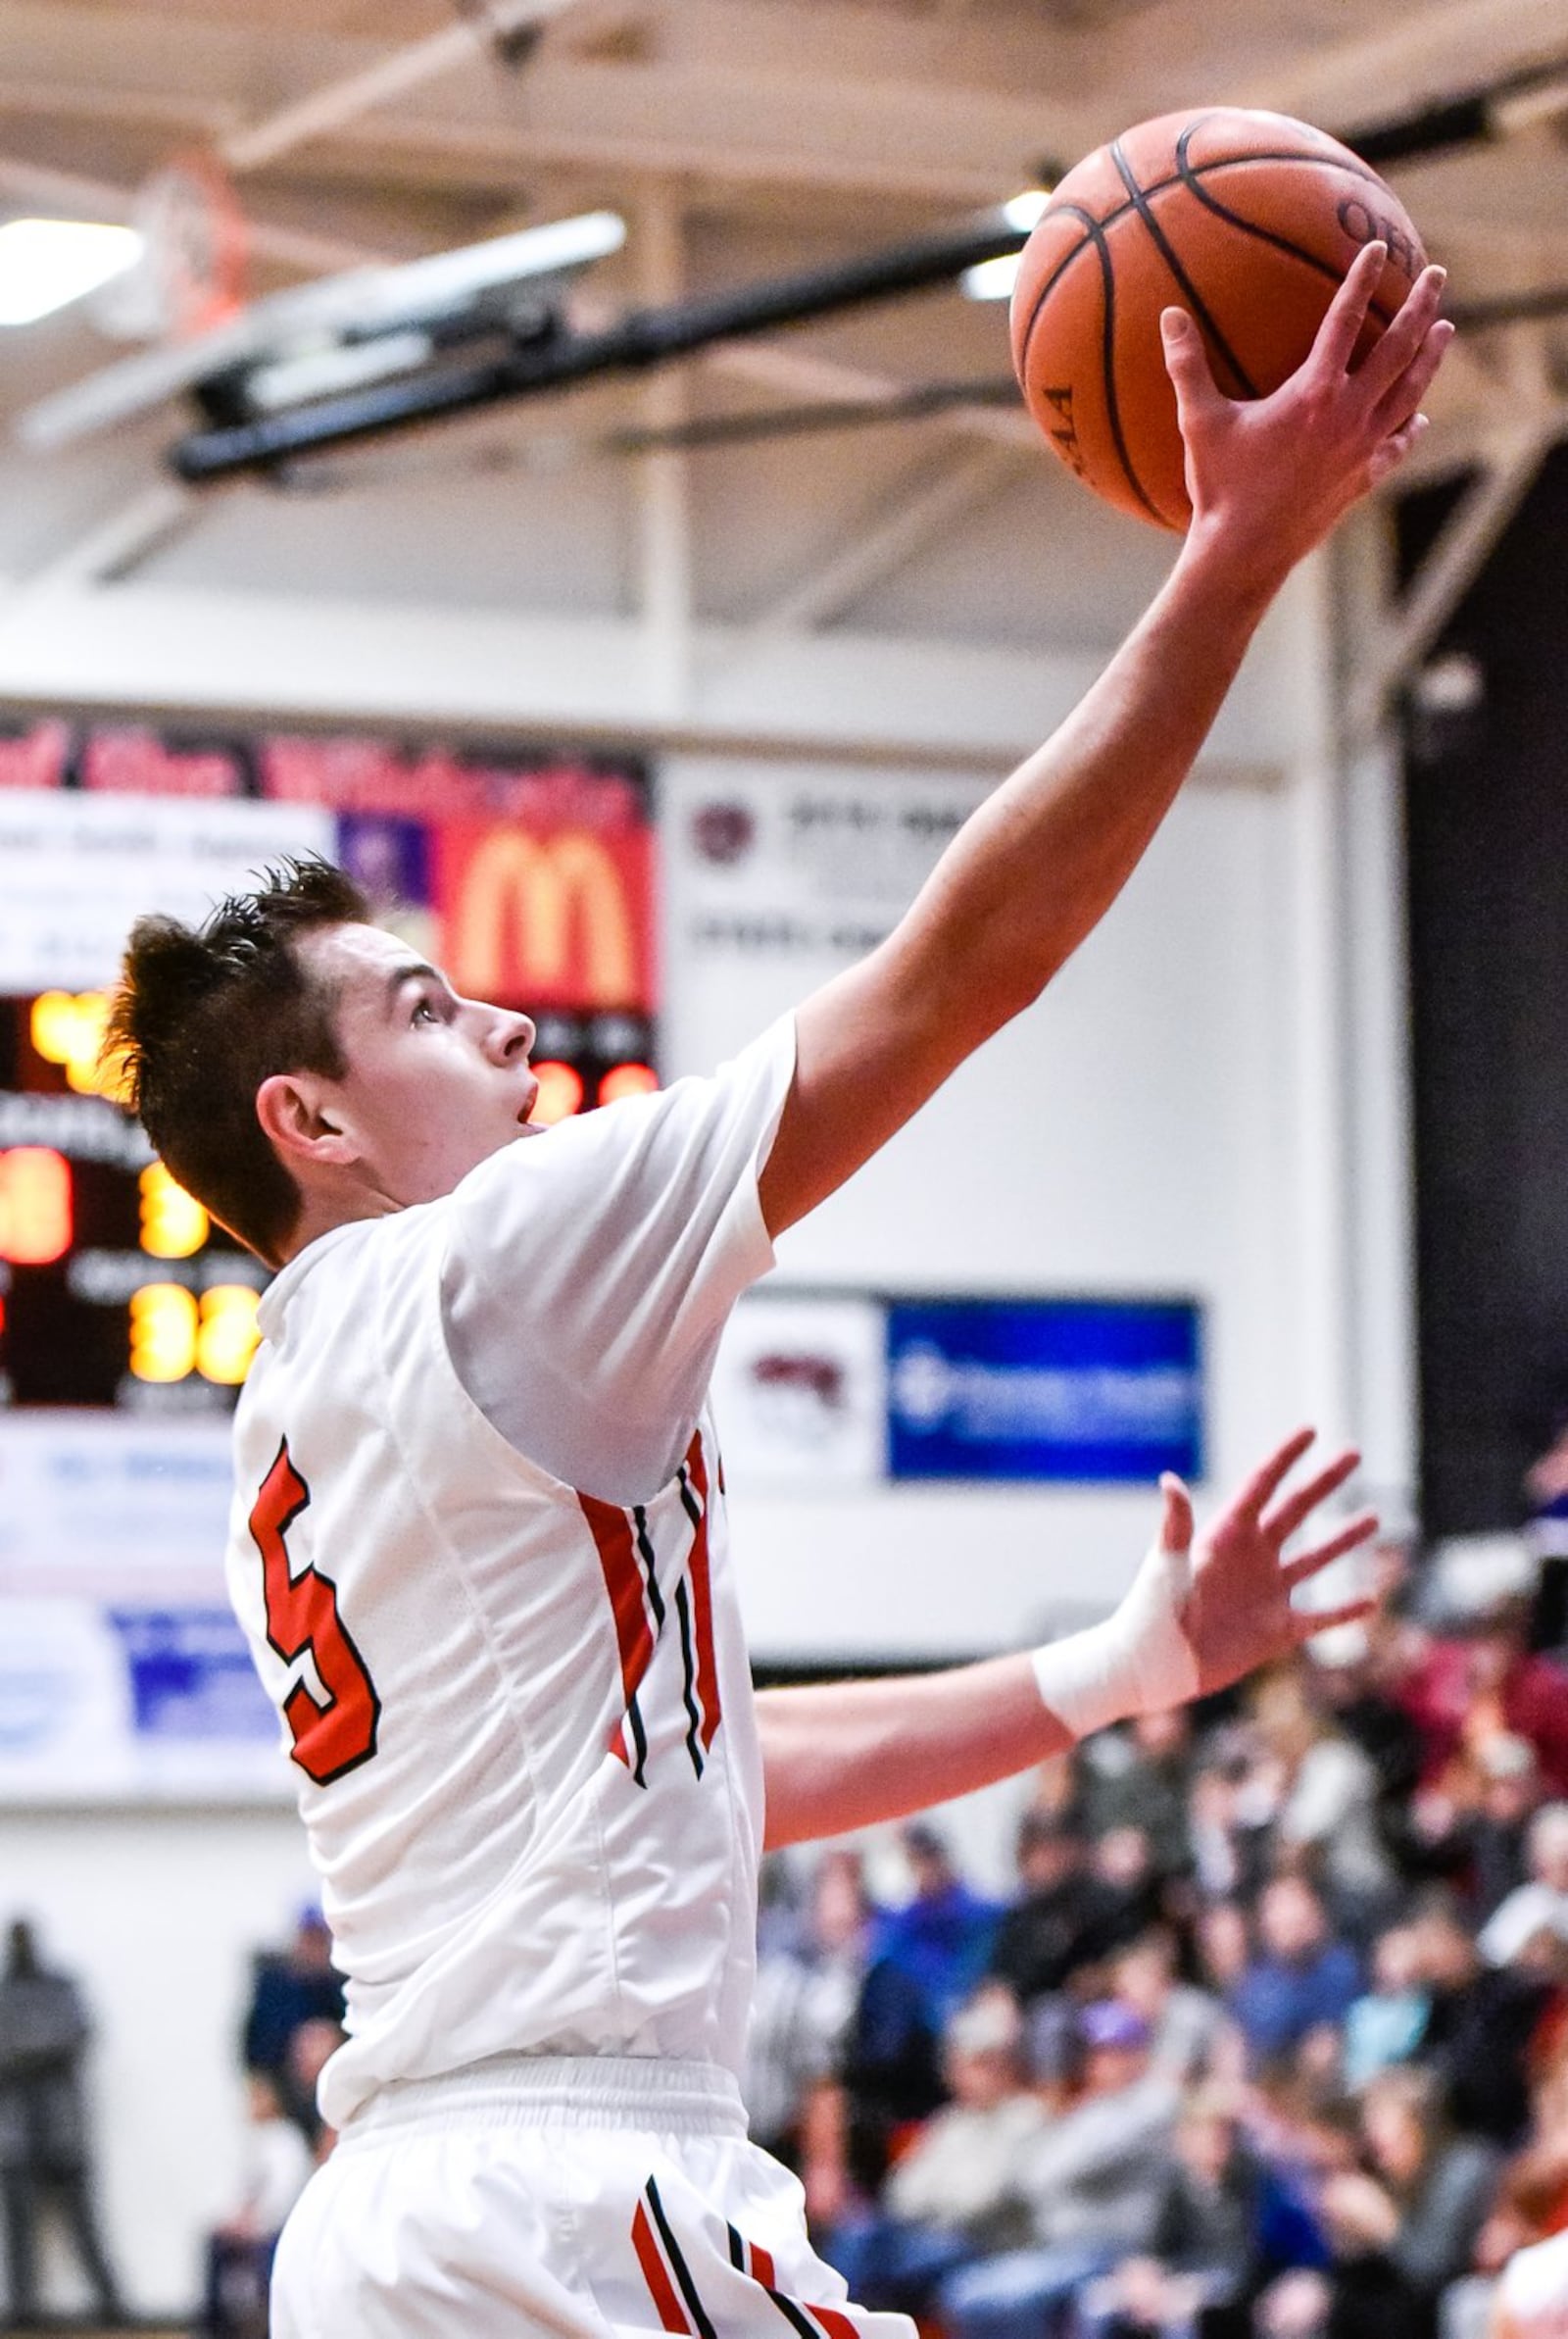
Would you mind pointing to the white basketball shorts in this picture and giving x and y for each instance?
(529, 2196)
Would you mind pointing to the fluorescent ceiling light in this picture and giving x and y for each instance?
(46, 264)
(993, 279)
(1026, 210)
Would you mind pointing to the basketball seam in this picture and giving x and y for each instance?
(1191, 176)
(1163, 246)
(1189, 179)
(1094, 236)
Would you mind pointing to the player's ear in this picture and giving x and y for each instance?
(295, 1115)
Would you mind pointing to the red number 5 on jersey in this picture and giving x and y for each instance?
(302, 1619)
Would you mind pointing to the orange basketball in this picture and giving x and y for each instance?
(1247, 220)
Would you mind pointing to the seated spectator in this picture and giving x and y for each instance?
(299, 1984)
(1304, 2134)
(1474, 1828)
(1388, 2024)
(806, 1992)
(276, 2166)
(1091, 2181)
(1481, 2026)
(1188, 2026)
(1326, 1795)
(1349, 1685)
(1141, 1777)
(1225, 1827)
(953, 2194)
(1406, 2224)
(941, 1939)
(1498, 1833)
(1483, 1680)
(1539, 1906)
(887, 2078)
(1224, 1945)
(1300, 1978)
(1064, 1918)
(1123, 1861)
(1206, 2248)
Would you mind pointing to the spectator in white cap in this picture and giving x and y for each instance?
(1541, 1906)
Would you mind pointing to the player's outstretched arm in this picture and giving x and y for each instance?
(1041, 861)
(1200, 1613)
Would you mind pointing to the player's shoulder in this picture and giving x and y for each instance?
(329, 1280)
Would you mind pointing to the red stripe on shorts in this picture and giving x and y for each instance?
(835, 2324)
(671, 2314)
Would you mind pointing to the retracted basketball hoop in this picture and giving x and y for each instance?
(193, 274)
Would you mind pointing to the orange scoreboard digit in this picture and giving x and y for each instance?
(116, 1287)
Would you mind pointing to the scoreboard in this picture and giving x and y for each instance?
(116, 1287)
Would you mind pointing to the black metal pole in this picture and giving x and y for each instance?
(642, 338)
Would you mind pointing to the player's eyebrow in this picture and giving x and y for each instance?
(411, 970)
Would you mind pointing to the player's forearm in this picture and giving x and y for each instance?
(1196, 1618)
(1033, 870)
(852, 1752)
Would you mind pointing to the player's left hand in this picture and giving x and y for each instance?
(1236, 1612)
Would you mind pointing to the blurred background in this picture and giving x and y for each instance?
(648, 700)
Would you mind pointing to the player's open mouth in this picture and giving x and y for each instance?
(526, 1111)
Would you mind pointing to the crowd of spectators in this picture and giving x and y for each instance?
(1269, 2039)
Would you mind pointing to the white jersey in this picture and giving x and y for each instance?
(509, 1667)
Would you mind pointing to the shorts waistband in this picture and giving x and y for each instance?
(571, 2091)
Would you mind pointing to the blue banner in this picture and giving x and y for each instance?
(192, 1677)
(1096, 1391)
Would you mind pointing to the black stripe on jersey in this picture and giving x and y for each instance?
(688, 1496)
(678, 2266)
(645, 1552)
(639, 1740)
(688, 1687)
(795, 2314)
(737, 2249)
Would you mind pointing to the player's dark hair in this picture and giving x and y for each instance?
(202, 1016)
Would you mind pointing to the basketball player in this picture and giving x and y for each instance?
(478, 1540)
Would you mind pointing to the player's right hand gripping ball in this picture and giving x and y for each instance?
(1248, 222)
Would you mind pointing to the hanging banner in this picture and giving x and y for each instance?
(124, 1676)
(77, 870)
(1089, 1391)
(816, 1391)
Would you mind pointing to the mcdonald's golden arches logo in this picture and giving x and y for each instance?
(559, 920)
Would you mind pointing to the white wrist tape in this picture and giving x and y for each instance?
(1139, 1660)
